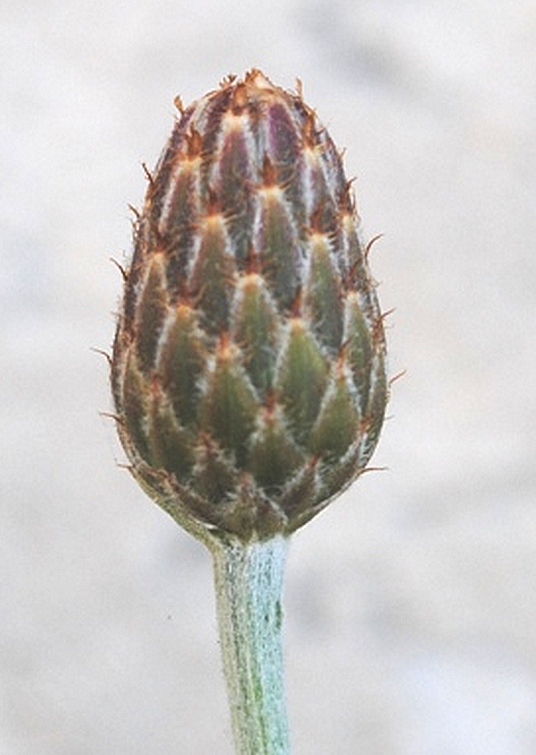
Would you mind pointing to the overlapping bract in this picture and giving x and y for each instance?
(248, 367)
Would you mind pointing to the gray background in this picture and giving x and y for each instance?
(410, 603)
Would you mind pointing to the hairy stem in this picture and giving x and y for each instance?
(249, 581)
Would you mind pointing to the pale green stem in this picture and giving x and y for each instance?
(249, 582)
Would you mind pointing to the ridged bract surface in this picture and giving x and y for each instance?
(248, 366)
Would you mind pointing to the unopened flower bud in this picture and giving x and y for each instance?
(248, 365)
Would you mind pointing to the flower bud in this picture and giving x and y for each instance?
(248, 365)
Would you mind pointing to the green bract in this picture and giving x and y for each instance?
(248, 365)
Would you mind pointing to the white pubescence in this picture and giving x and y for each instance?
(181, 165)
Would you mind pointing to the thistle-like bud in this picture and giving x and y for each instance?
(248, 365)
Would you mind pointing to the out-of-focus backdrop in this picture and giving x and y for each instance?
(410, 602)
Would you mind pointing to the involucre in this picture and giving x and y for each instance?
(249, 360)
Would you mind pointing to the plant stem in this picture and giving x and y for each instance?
(249, 582)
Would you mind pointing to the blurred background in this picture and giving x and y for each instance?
(410, 603)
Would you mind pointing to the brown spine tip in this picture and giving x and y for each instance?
(253, 263)
(214, 204)
(256, 78)
(224, 352)
(316, 224)
(194, 144)
(309, 135)
(239, 99)
(228, 80)
(119, 266)
(297, 305)
(269, 174)
(148, 175)
(269, 404)
(371, 243)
